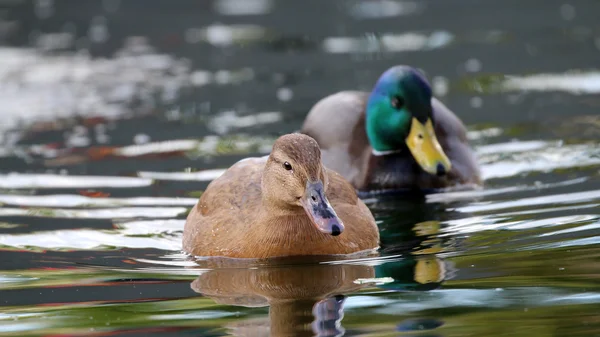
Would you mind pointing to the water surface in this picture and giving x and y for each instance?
(117, 114)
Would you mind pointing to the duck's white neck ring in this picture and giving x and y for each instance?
(384, 153)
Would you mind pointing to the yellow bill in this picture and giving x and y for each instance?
(429, 269)
(426, 150)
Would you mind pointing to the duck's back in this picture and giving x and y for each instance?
(337, 123)
(228, 204)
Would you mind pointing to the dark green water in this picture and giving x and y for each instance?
(116, 114)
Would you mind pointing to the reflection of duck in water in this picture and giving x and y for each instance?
(304, 300)
(407, 225)
(413, 273)
(307, 298)
(410, 241)
(416, 268)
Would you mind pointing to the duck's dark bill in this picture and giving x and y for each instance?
(426, 149)
(320, 212)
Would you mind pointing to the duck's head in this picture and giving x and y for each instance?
(294, 178)
(399, 115)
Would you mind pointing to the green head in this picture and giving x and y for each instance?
(399, 115)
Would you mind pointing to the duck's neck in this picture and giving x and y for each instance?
(384, 153)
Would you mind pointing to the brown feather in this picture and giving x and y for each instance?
(251, 210)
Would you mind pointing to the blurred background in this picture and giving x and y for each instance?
(115, 115)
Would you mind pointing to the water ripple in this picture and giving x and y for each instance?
(204, 175)
(556, 199)
(84, 239)
(33, 181)
(68, 200)
(107, 213)
(535, 157)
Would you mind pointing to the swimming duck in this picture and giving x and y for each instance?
(396, 137)
(283, 204)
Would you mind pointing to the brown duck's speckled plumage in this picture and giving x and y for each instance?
(346, 148)
(248, 212)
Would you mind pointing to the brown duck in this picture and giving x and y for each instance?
(396, 137)
(282, 205)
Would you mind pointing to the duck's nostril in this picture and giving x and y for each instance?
(313, 198)
(335, 230)
(440, 170)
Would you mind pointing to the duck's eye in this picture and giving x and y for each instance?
(397, 102)
(287, 166)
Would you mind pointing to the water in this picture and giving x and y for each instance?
(117, 114)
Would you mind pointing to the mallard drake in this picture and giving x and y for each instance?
(397, 137)
(283, 204)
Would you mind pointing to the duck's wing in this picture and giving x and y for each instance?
(337, 123)
(331, 120)
(229, 201)
(452, 135)
(339, 190)
(360, 227)
(237, 189)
